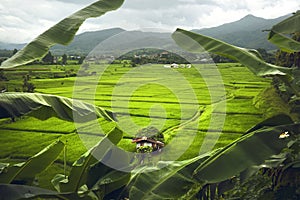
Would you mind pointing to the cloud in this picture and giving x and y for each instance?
(190, 14)
(78, 2)
(162, 5)
(157, 14)
(23, 23)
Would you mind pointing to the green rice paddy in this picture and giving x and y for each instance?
(141, 99)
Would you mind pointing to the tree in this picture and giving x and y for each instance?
(220, 59)
(81, 59)
(27, 86)
(48, 58)
(268, 57)
(64, 59)
(2, 76)
(14, 51)
(151, 132)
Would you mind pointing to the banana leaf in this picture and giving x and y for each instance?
(283, 42)
(166, 180)
(289, 25)
(61, 33)
(15, 192)
(34, 165)
(277, 120)
(103, 180)
(43, 106)
(278, 33)
(250, 150)
(250, 58)
(80, 169)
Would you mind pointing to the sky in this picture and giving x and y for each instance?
(23, 20)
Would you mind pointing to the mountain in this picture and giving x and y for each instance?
(11, 46)
(85, 42)
(246, 32)
(127, 41)
(120, 41)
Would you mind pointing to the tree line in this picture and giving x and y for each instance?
(48, 59)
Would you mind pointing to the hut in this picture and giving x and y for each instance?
(147, 145)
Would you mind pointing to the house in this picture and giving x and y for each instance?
(174, 65)
(148, 142)
(164, 54)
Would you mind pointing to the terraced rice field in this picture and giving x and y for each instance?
(196, 114)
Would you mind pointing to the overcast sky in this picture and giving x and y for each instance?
(23, 20)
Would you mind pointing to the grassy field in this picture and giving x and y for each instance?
(143, 96)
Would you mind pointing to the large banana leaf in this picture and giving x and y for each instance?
(103, 179)
(80, 169)
(61, 33)
(250, 150)
(277, 120)
(278, 33)
(44, 106)
(283, 42)
(166, 180)
(15, 192)
(196, 43)
(289, 25)
(34, 165)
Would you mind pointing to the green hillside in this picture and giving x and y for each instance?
(85, 42)
(247, 32)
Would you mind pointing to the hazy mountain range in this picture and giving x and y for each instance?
(246, 32)
(249, 32)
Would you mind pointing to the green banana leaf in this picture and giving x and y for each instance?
(250, 150)
(277, 120)
(43, 106)
(283, 42)
(196, 43)
(103, 180)
(278, 33)
(61, 33)
(16, 192)
(289, 25)
(80, 169)
(166, 180)
(34, 165)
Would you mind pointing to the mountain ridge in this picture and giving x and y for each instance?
(246, 32)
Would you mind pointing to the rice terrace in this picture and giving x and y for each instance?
(193, 118)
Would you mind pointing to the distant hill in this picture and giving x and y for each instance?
(11, 46)
(246, 32)
(132, 40)
(85, 42)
